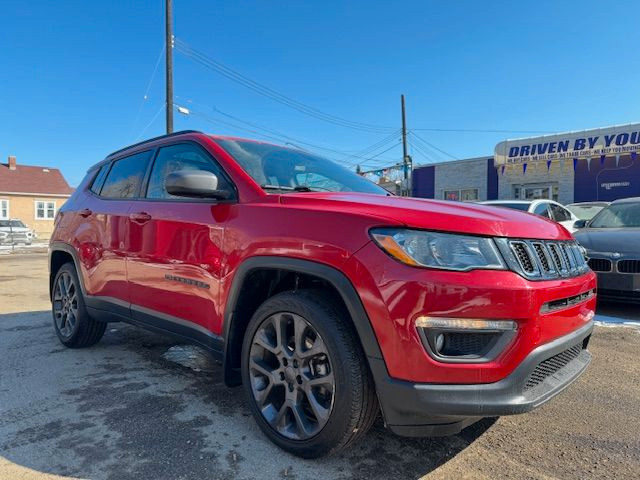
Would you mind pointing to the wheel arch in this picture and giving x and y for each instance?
(237, 315)
(59, 254)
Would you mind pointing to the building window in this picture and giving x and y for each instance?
(469, 195)
(464, 195)
(451, 195)
(45, 210)
(536, 192)
(4, 209)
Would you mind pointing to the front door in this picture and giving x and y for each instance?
(175, 259)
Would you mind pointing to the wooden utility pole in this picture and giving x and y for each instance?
(169, 63)
(406, 160)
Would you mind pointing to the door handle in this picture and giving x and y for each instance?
(85, 212)
(140, 217)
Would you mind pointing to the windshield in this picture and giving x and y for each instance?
(516, 206)
(621, 215)
(585, 212)
(284, 169)
(12, 224)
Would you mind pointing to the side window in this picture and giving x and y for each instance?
(559, 213)
(99, 180)
(125, 176)
(542, 210)
(184, 156)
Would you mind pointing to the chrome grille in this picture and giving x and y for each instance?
(600, 264)
(558, 258)
(629, 266)
(543, 259)
(523, 255)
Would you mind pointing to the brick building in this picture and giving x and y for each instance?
(32, 194)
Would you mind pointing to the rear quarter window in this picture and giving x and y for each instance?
(98, 181)
(125, 177)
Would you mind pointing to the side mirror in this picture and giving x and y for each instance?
(195, 184)
(580, 224)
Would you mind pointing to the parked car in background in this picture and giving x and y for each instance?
(14, 232)
(329, 300)
(544, 208)
(612, 243)
(586, 210)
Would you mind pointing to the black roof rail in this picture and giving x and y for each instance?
(167, 135)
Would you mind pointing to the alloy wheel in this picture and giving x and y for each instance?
(291, 376)
(65, 304)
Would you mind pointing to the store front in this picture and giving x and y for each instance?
(600, 164)
(589, 165)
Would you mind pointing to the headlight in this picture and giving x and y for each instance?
(439, 250)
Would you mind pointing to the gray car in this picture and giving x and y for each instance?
(612, 241)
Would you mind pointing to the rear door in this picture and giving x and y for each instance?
(175, 261)
(102, 233)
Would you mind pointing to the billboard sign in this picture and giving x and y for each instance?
(607, 141)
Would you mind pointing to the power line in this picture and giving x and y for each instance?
(384, 151)
(146, 92)
(479, 130)
(268, 92)
(415, 147)
(252, 131)
(426, 151)
(372, 148)
(149, 124)
(431, 145)
(279, 136)
(263, 90)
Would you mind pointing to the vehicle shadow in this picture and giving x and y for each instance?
(125, 409)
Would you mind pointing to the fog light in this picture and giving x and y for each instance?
(460, 340)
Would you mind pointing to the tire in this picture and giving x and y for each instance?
(326, 374)
(71, 321)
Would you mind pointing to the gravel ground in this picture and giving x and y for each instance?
(138, 406)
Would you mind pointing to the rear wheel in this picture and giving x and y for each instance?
(305, 375)
(72, 323)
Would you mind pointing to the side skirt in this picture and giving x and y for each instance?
(107, 309)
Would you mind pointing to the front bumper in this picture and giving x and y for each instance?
(618, 286)
(421, 409)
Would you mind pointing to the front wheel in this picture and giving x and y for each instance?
(72, 323)
(305, 375)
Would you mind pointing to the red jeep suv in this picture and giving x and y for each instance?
(328, 299)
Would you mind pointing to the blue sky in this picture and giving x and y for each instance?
(74, 73)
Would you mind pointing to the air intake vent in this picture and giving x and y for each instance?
(551, 365)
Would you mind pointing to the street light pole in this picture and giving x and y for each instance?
(169, 63)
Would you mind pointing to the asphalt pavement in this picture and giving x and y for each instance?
(139, 406)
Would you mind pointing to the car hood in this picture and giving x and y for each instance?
(427, 214)
(15, 229)
(610, 240)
